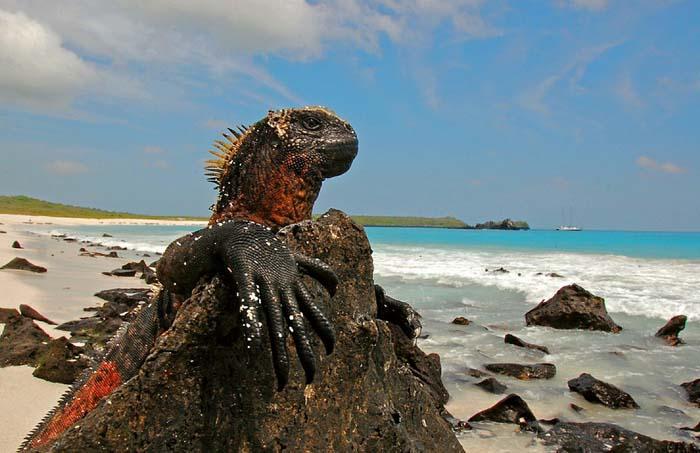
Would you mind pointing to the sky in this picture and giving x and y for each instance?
(545, 111)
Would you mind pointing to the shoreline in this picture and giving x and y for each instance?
(60, 294)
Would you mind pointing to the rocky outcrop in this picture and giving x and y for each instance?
(61, 362)
(692, 388)
(22, 264)
(492, 385)
(22, 342)
(201, 390)
(572, 307)
(506, 224)
(120, 307)
(30, 312)
(524, 372)
(594, 437)
(511, 409)
(597, 391)
(670, 331)
(515, 341)
(461, 321)
(7, 313)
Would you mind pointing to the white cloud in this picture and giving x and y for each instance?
(112, 44)
(535, 98)
(36, 68)
(666, 167)
(66, 167)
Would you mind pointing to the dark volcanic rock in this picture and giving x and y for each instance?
(597, 391)
(669, 332)
(572, 307)
(492, 385)
(22, 342)
(22, 264)
(201, 390)
(693, 390)
(127, 296)
(61, 362)
(512, 339)
(473, 372)
(461, 321)
(120, 306)
(524, 372)
(595, 437)
(29, 312)
(17, 245)
(7, 313)
(511, 409)
(121, 273)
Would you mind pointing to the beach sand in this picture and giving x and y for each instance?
(60, 294)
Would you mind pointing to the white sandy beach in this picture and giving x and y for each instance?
(60, 294)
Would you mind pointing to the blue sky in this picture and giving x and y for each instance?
(476, 109)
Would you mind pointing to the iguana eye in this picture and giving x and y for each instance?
(311, 123)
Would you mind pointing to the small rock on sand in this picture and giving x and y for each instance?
(29, 312)
(22, 342)
(61, 362)
(17, 245)
(23, 265)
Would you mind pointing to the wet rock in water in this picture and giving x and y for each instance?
(512, 339)
(473, 372)
(511, 409)
(106, 235)
(594, 437)
(22, 342)
(500, 270)
(461, 321)
(17, 245)
(29, 312)
(492, 385)
(524, 372)
(121, 273)
(201, 390)
(7, 313)
(22, 264)
(61, 362)
(669, 332)
(692, 388)
(597, 391)
(554, 275)
(572, 307)
(116, 247)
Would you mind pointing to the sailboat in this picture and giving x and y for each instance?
(570, 226)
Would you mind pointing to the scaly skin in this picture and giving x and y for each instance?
(268, 176)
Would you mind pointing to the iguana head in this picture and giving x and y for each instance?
(271, 172)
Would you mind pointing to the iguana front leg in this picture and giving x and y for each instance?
(267, 276)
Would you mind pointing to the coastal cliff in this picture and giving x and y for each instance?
(202, 390)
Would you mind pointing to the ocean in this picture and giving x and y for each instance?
(645, 278)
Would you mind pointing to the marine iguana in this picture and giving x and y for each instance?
(268, 176)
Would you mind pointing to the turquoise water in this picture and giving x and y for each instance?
(643, 244)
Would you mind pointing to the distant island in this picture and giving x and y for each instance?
(24, 205)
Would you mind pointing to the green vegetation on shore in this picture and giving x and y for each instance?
(24, 205)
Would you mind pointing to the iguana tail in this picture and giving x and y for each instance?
(124, 355)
